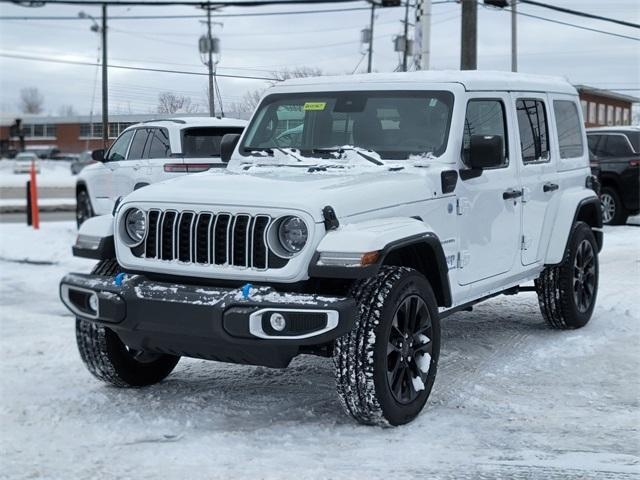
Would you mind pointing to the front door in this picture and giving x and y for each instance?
(537, 173)
(488, 205)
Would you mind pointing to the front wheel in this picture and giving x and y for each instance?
(567, 292)
(84, 210)
(110, 360)
(386, 366)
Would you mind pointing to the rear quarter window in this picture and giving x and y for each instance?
(569, 129)
(204, 142)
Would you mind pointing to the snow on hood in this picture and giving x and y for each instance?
(348, 190)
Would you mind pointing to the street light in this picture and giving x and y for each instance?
(102, 30)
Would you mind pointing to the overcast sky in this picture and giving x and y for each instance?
(260, 45)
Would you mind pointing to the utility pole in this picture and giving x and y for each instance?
(469, 31)
(371, 23)
(405, 52)
(514, 36)
(423, 33)
(212, 103)
(105, 90)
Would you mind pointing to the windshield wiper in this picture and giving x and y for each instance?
(268, 151)
(341, 150)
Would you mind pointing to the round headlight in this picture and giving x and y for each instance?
(135, 224)
(293, 234)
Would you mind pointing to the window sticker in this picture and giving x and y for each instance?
(314, 106)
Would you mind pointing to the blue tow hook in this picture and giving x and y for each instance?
(119, 279)
(246, 291)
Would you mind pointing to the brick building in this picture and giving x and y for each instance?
(603, 107)
(68, 134)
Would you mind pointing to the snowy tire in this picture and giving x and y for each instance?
(386, 365)
(567, 292)
(84, 210)
(110, 360)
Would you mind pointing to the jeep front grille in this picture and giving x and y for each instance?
(209, 238)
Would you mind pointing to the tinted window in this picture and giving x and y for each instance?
(395, 125)
(634, 138)
(484, 117)
(137, 145)
(119, 148)
(534, 133)
(160, 147)
(204, 142)
(592, 140)
(615, 146)
(569, 129)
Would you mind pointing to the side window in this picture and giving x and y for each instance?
(118, 150)
(484, 117)
(592, 140)
(568, 128)
(138, 143)
(159, 147)
(534, 133)
(616, 146)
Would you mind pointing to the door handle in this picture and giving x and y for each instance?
(550, 187)
(511, 193)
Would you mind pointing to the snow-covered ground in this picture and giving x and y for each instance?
(53, 173)
(512, 398)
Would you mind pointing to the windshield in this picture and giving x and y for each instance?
(393, 124)
(202, 142)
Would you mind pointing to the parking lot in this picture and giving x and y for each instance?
(512, 399)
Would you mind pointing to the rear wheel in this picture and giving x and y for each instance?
(386, 366)
(613, 211)
(84, 210)
(110, 360)
(567, 292)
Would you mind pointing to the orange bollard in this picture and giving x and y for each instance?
(35, 218)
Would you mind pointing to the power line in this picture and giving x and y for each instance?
(579, 13)
(125, 67)
(567, 24)
(166, 3)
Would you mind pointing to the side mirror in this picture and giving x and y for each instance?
(486, 151)
(98, 155)
(228, 145)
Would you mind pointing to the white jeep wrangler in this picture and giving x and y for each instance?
(397, 200)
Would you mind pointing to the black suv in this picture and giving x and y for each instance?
(615, 159)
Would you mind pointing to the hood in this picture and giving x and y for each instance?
(349, 192)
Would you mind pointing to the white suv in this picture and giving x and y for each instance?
(402, 199)
(147, 153)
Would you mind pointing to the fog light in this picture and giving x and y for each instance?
(278, 322)
(93, 302)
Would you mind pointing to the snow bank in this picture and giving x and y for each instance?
(53, 173)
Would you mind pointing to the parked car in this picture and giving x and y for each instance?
(22, 162)
(150, 152)
(85, 158)
(43, 151)
(616, 159)
(408, 197)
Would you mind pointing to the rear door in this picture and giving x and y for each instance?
(157, 154)
(537, 171)
(128, 171)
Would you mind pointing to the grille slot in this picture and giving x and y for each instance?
(208, 238)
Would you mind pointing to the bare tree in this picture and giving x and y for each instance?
(67, 111)
(250, 99)
(31, 100)
(169, 102)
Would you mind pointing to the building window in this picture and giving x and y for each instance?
(585, 109)
(625, 116)
(593, 108)
(609, 114)
(618, 115)
(601, 114)
(39, 130)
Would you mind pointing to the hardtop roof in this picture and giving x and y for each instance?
(470, 80)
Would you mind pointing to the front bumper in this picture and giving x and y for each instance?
(223, 324)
